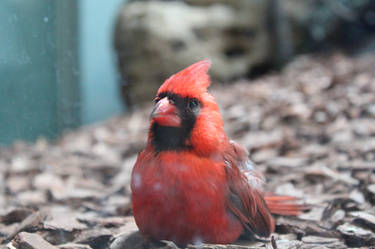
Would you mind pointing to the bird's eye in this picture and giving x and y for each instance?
(171, 100)
(193, 104)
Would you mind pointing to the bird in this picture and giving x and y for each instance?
(191, 184)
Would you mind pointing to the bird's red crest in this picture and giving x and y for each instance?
(193, 80)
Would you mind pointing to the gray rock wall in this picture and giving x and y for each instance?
(155, 39)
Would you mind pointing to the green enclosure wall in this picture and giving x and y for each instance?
(57, 66)
(38, 91)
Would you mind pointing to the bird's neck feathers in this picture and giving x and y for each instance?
(208, 135)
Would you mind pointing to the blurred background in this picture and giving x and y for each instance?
(68, 63)
(294, 80)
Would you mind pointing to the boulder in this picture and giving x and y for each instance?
(155, 39)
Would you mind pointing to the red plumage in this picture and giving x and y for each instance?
(191, 184)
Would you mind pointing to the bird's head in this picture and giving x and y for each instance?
(186, 116)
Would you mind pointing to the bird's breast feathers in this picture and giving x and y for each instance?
(177, 171)
(183, 194)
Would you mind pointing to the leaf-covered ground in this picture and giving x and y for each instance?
(310, 129)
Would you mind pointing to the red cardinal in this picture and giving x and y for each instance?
(191, 184)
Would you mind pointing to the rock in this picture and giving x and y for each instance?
(26, 240)
(226, 33)
(240, 37)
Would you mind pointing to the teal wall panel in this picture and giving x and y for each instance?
(30, 67)
(57, 66)
(99, 77)
(27, 89)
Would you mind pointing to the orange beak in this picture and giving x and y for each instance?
(166, 114)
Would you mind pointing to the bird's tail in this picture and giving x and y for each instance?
(284, 205)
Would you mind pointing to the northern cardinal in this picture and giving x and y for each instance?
(191, 184)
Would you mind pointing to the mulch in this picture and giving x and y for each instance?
(310, 128)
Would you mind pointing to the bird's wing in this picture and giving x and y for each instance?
(245, 198)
